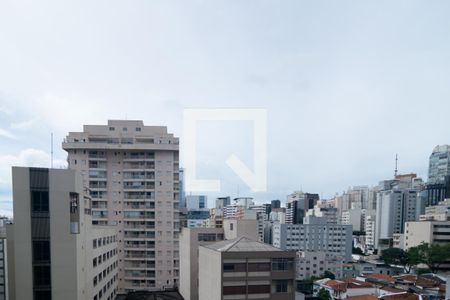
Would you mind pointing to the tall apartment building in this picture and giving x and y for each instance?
(298, 203)
(395, 206)
(245, 269)
(315, 235)
(54, 251)
(439, 165)
(369, 227)
(133, 173)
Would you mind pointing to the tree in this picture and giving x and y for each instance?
(324, 294)
(414, 258)
(328, 274)
(433, 255)
(397, 256)
(394, 256)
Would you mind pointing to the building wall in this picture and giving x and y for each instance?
(210, 274)
(189, 253)
(20, 262)
(239, 228)
(332, 239)
(70, 252)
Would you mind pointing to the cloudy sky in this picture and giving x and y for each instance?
(346, 84)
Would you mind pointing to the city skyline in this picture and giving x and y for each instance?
(346, 85)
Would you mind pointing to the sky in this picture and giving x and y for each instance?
(346, 84)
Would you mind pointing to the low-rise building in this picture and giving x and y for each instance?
(315, 263)
(245, 269)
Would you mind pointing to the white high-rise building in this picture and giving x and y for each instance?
(133, 173)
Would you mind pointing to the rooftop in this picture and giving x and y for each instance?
(242, 244)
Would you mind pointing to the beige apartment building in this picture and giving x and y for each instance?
(133, 173)
(54, 251)
(429, 232)
(190, 240)
(245, 269)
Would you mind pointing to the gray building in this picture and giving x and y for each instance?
(316, 235)
(395, 206)
(439, 165)
(133, 173)
(54, 251)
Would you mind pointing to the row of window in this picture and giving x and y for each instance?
(105, 288)
(103, 241)
(277, 264)
(100, 276)
(278, 286)
(98, 260)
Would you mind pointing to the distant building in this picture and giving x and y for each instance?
(221, 202)
(315, 263)
(429, 232)
(316, 235)
(3, 259)
(298, 203)
(396, 204)
(245, 269)
(54, 251)
(439, 165)
(196, 202)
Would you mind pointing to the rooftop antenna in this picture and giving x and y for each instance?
(396, 165)
(51, 150)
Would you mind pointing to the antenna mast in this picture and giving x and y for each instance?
(51, 150)
(396, 165)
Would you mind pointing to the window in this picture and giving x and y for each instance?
(111, 128)
(235, 267)
(41, 251)
(41, 275)
(282, 264)
(39, 201)
(234, 290)
(138, 128)
(281, 286)
(259, 267)
(258, 289)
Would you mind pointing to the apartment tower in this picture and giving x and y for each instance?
(133, 173)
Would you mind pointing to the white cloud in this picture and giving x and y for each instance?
(7, 134)
(26, 158)
(23, 125)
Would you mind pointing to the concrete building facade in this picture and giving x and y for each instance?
(245, 269)
(133, 173)
(54, 251)
(332, 239)
(190, 240)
